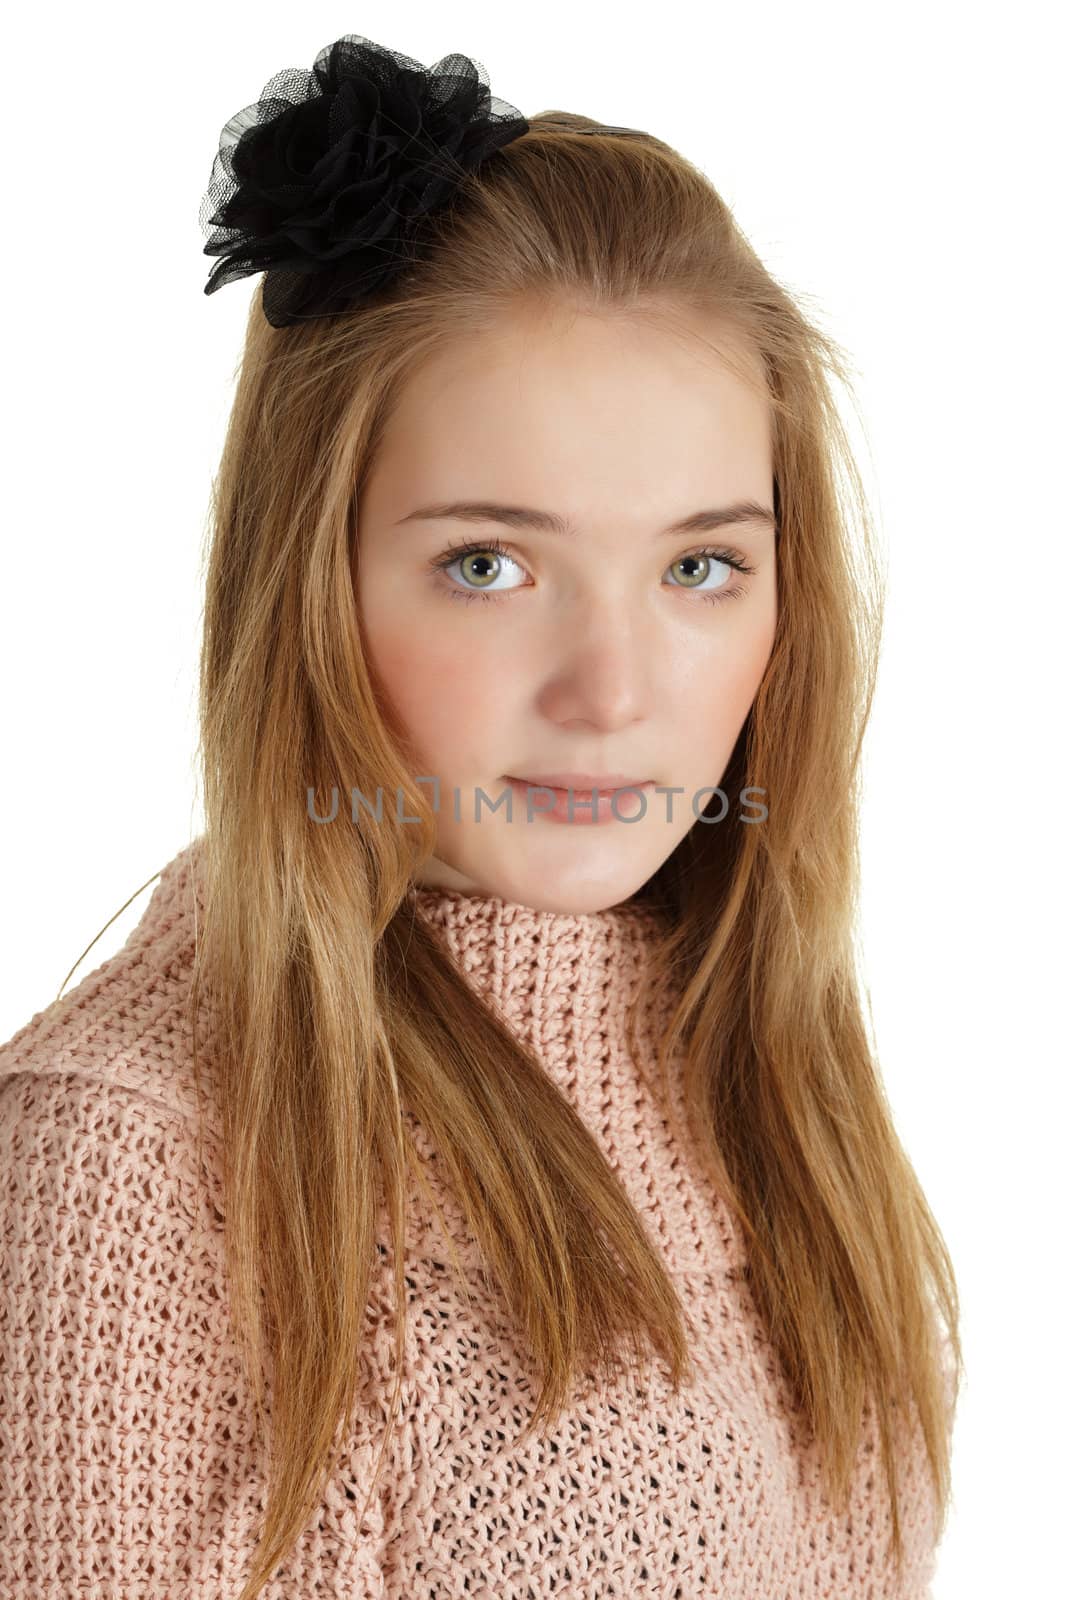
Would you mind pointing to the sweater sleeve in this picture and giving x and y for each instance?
(127, 1465)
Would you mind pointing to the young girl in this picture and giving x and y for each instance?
(474, 1176)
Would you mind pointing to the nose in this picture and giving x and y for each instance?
(599, 672)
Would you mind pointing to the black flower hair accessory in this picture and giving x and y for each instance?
(322, 181)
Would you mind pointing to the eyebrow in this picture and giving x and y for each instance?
(550, 522)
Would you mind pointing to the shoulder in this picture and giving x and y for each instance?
(126, 1028)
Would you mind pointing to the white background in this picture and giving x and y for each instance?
(902, 168)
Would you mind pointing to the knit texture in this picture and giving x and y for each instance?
(128, 1466)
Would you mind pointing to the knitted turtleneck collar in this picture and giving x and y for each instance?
(515, 952)
(560, 979)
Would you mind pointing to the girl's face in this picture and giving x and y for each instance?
(617, 648)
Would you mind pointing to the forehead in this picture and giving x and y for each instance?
(670, 409)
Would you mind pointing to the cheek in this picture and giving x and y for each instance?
(744, 673)
(716, 678)
(445, 700)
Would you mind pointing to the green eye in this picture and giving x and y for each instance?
(484, 556)
(697, 577)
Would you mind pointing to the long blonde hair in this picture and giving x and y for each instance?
(336, 1014)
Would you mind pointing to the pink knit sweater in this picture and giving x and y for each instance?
(127, 1468)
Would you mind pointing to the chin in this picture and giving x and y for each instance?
(543, 892)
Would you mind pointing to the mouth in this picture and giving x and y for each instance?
(576, 805)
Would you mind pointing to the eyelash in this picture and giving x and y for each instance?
(496, 546)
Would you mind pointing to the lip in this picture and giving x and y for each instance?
(573, 802)
(582, 781)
